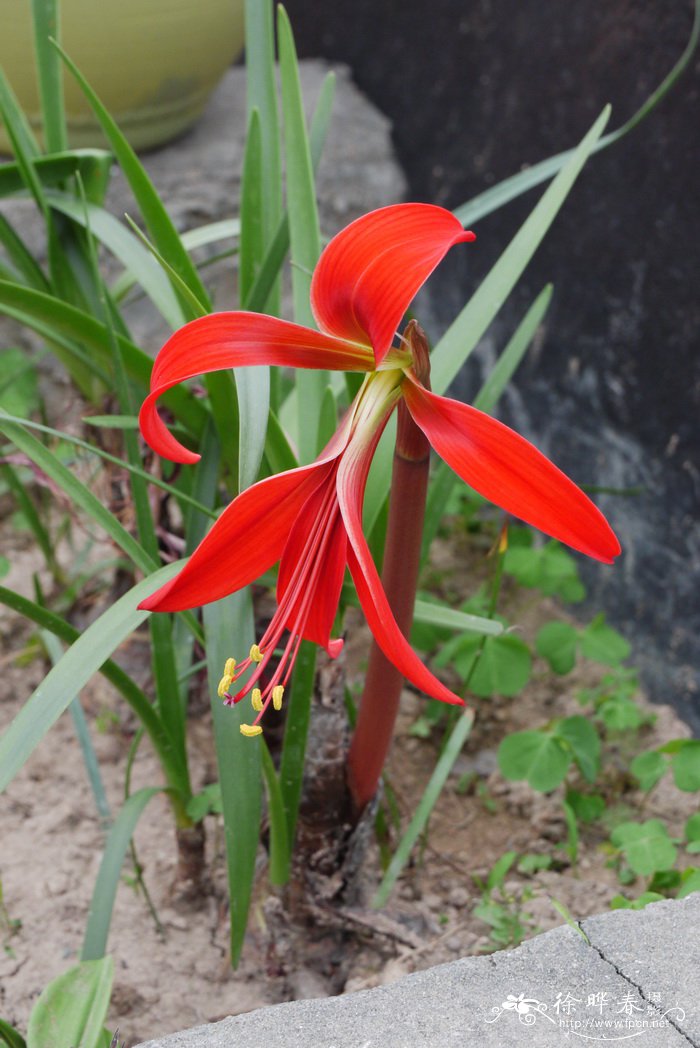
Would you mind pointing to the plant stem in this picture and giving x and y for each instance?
(383, 683)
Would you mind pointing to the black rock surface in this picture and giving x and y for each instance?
(475, 91)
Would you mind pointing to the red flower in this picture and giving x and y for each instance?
(310, 518)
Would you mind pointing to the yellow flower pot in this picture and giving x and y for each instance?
(153, 63)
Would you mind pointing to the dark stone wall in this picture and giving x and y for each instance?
(476, 90)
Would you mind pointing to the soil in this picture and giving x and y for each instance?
(180, 976)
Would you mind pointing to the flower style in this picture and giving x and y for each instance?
(310, 518)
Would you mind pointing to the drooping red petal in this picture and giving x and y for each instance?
(313, 565)
(509, 471)
(245, 541)
(230, 340)
(352, 477)
(370, 272)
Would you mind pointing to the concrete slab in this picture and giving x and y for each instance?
(638, 978)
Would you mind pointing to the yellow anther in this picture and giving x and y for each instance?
(224, 684)
(256, 700)
(250, 730)
(255, 654)
(230, 667)
(277, 694)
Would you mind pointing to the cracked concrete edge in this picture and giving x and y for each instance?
(648, 959)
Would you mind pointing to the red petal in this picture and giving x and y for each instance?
(245, 541)
(230, 340)
(318, 564)
(368, 275)
(506, 469)
(352, 477)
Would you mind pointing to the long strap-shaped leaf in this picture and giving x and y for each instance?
(93, 648)
(112, 672)
(516, 185)
(46, 313)
(104, 893)
(56, 168)
(465, 331)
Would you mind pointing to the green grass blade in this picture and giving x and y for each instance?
(252, 383)
(452, 750)
(279, 245)
(54, 169)
(304, 231)
(464, 333)
(516, 185)
(228, 622)
(278, 451)
(509, 360)
(279, 843)
(159, 224)
(30, 514)
(78, 492)
(46, 313)
(104, 893)
(129, 690)
(10, 1037)
(182, 496)
(21, 258)
(94, 646)
(72, 1009)
(127, 249)
(196, 306)
(49, 73)
(296, 733)
(92, 766)
(451, 618)
(16, 123)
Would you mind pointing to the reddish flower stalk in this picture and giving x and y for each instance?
(310, 518)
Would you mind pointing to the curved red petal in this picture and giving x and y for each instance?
(324, 560)
(230, 340)
(370, 272)
(352, 477)
(509, 471)
(249, 536)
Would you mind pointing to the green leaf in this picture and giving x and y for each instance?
(686, 766)
(690, 882)
(238, 758)
(159, 224)
(604, 644)
(72, 1009)
(557, 642)
(464, 333)
(25, 265)
(499, 195)
(646, 846)
(296, 732)
(52, 318)
(581, 736)
(11, 1037)
(279, 842)
(503, 667)
(692, 829)
(548, 568)
(105, 890)
(498, 871)
(537, 756)
(619, 902)
(78, 492)
(648, 768)
(52, 170)
(18, 382)
(128, 249)
(450, 752)
(94, 646)
(304, 232)
(438, 614)
(47, 27)
(587, 807)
